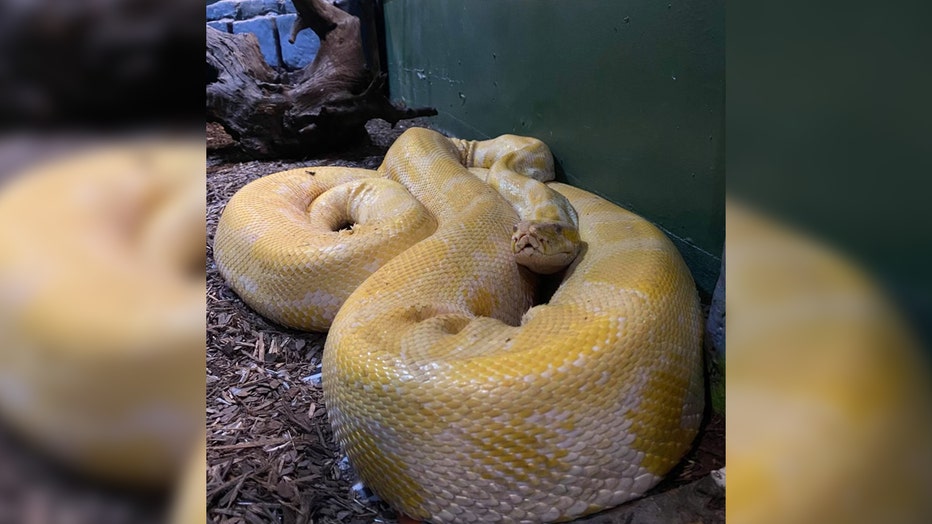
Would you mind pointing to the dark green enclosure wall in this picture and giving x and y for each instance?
(628, 95)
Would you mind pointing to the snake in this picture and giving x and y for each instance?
(457, 390)
(101, 308)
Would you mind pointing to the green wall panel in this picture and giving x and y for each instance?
(629, 96)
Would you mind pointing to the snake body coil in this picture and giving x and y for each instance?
(456, 398)
(101, 301)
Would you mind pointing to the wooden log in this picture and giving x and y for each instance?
(324, 106)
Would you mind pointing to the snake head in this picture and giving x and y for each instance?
(545, 247)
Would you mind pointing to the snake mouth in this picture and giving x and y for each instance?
(522, 241)
(544, 247)
(540, 254)
(532, 244)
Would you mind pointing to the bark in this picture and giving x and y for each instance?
(324, 106)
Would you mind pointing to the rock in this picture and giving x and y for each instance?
(223, 9)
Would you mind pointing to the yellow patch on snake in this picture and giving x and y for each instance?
(456, 400)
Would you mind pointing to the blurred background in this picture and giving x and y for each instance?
(101, 262)
(107, 62)
(828, 249)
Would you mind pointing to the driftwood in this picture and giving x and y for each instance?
(321, 107)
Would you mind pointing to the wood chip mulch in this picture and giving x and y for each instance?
(271, 455)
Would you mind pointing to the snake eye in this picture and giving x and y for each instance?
(514, 228)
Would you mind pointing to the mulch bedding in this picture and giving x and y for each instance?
(271, 456)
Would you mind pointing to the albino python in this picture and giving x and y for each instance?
(102, 312)
(456, 398)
